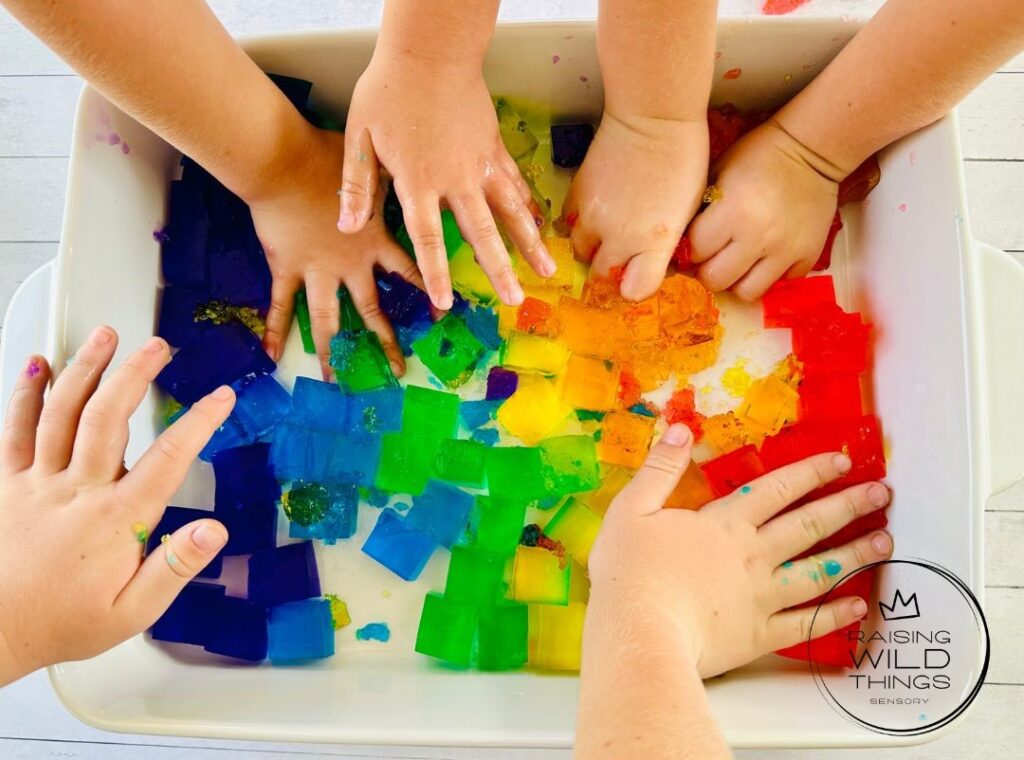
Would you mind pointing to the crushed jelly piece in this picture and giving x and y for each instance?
(374, 632)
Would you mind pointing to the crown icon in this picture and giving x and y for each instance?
(900, 609)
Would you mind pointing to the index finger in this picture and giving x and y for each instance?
(423, 222)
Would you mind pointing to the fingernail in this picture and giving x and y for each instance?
(878, 494)
(547, 264)
(274, 352)
(346, 221)
(860, 608)
(223, 393)
(396, 367)
(444, 301)
(676, 435)
(209, 536)
(100, 336)
(152, 345)
(33, 367)
(881, 543)
(842, 462)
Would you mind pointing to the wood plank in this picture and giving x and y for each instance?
(993, 199)
(31, 198)
(1004, 611)
(37, 114)
(992, 119)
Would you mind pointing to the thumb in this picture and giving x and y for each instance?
(166, 571)
(652, 484)
(645, 272)
(359, 177)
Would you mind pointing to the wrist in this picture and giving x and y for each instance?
(810, 157)
(663, 624)
(11, 666)
(291, 145)
(826, 155)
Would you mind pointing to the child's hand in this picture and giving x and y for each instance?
(775, 203)
(296, 224)
(640, 184)
(73, 582)
(716, 573)
(433, 127)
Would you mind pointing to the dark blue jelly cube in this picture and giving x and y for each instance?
(188, 619)
(183, 253)
(238, 629)
(296, 90)
(569, 144)
(219, 355)
(284, 574)
(177, 314)
(483, 323)
(316, 404)
(375, 412)
(441, 511)
(501, 383)
(339, 521)
(244, 478)
(176, 517)
(300, 631)
(241, 276)
(403, 303)
(402, 549)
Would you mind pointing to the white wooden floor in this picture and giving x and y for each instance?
(37, 95)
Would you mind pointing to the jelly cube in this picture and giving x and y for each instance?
(401, 548)
(588, 329)
(326, 512)
(625, 439)
(537, 317)
(449, 350)
(501, 383)
(300, 631)
(319, 456)
(296, 90)
(558, 284)
(260, 403)
(591, 383)
(613, 480)
(305, 324)
(576, 528)
(178, 517)
(178, 306)
(320, 405)
(238, 629)
(375, 412)
(730, 471)
(497, 524)
(447, 630)
(570, 464)
(469, 280)
(441, 511)
(359, 361)
(569, 144)
(244, 477)
(187, 620)
(461, 462)
(789, 300)
(540, 576)
(535, 411)
(483, 323)
(183, 252)
(475, 577)
(516, 473)
(502, 637)
(519, 141)
(860, 439)
(284, 574)
(402, 302)
(406, 462)
(830, 396)
(579, 584)
(476, 414)
(769, 404)
(556, 636)
(725, 432)
(240, 275)
(693, 490)
(533, 353)
(831, 341)
(430, 413)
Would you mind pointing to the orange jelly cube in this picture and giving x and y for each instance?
(625, 439)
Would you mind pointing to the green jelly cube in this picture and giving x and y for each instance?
(516, 473)
(405, 462)
(449, 350)
(502, 637)
(305, 326)
(475, 577)
(430, 413)
(359, 361)
(449, 228)
(570, 464)
(519, 141)
(460, 462)
(447, 630)
(497, 524)
(349, 318)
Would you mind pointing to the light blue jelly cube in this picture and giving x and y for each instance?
(398, 546)
(300, 631)
(316, 404)
(441, 511)
(338, 522)
(476, 414)
(375, 412)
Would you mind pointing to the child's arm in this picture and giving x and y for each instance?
(422, 110)
(173, 67)
(645, 173)
(73, 581)
(911, 64)
(678, 596)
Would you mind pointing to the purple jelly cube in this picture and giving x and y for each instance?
(244, 477)
(188, 619)
(441, 511)
(403, 303)
(501, 383)
(238, 628)
(240, 276)
(284, 574)
(176, 517)
(569, 143)
(178, 305)
(219, 355)
(183, 253)
(402, 549)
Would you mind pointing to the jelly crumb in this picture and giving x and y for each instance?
(374, 632)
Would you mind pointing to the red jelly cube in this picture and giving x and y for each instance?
(830, 396)
(860, 438)
(861, 181)
(725, 125)
(788, 300)
(830, 340)
(730, 471)
(825, 257)
(862, 526)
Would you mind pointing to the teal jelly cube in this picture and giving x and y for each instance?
(449, 228)
(497, 524)
(300, 631)
(570, 464)
(405, 462)
(516, 472)
(359, 361)
(502, 636)
(431, 413)
(449, 350)
(461, 462)
(447, 630)
(475, 577)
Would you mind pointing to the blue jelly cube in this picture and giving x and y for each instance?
(183, 253)
(228, 436)
(353, 460)
(250, 530)
(317, 404)
(319, 456)
(238, 628)
(261, 402)
(401, 548)
(244, 477)
(285, 574)
(483, 323)
(486, 436)
(402, 303)
(409, 335)
(375, 412)
(219, 355)
(476, 414)
(300, 631)
(441, 511)
(339, 520)
(187, 620)
(177, 517)
(178, 306)
(240, 275)
(501, 383)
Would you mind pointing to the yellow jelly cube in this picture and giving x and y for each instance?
(576, 527)
(556, 636)
(564, 277)
(591, 383)
(523, 351)
(613, 480)
(725, 432)
(625, 439)
(579, 584)
(540, 576)
(469, 279)
(507, 317)
(535, 411)
(770, 404)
